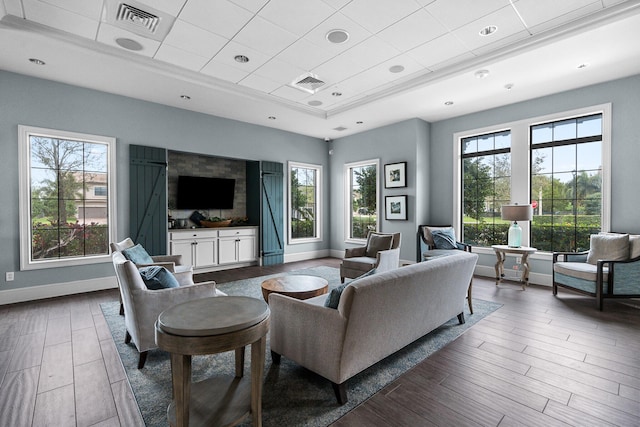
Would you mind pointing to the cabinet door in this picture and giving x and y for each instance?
(246, 248)
(205, 253)
(227, 250)
(184, 248)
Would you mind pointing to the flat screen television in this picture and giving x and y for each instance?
(197, 192)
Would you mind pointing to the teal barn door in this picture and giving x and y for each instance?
(148, 198)
(272, 216)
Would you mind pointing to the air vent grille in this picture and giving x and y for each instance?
(308, 82)
(138, 17)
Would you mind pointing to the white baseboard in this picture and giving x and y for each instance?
(32, 293)
(303, 256)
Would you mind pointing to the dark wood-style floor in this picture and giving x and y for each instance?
(538, 360)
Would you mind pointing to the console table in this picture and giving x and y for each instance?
(207, 326)
(501, 253)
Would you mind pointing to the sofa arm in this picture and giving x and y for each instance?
(354, 252)
(387, 260)
(310, 335)
(570, 256)
(176, 259)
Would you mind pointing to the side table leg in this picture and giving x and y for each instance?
(258, 349)
(240, 362)
(181, 379)
(525, 271)
(499, 267)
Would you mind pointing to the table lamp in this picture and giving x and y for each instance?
(516, 213)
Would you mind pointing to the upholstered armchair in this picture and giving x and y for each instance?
(142, 305)
(609, 269)
(440, 240)
(381, 252)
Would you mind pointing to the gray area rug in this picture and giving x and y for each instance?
(292, 395)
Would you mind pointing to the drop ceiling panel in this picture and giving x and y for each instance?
(251, 5)
(318, 35)
(371, 52)
(378, 15)
(339, 68)
(14, 7)
(539, 12)
(220, 17)
(89, 8)
(457, 13)
(193, 39)
(108, 34)
(438, 50)
(411, 66)
(265, 37)
(412, 31)
(506, 19)
(228, 53)
(279, 71)
(260, 83)
(290, 93)
(181, 58)
(223, 71)
(172, 7)
(60, 19)
(307, 13)
(305, 54)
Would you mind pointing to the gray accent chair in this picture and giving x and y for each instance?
(609, 269)
(142, 306)
(381, 252)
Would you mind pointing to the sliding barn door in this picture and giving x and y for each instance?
(272, 221)
(148, 198)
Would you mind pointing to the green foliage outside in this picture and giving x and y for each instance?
(303, 199)
(364, 201)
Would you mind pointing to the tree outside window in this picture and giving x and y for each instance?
(304, 199)
(362, 198)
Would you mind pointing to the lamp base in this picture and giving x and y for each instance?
(515, 236)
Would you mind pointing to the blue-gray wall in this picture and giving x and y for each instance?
(35, 102)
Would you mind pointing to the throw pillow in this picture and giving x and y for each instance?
(608, 246)
(137, 255)
(156, 277)
(378, 243)
(444, 238)
(333, 299)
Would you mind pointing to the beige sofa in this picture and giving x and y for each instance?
(376, 316)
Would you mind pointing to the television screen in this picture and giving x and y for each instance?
(196, 192)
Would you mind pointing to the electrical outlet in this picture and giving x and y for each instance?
(518, 260)
(515, 267)
(8, 276)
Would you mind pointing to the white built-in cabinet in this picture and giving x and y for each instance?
(209, 248)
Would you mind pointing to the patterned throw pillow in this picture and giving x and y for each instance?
(333, 299)
(137, 255)
(156, 277)
(444, 239)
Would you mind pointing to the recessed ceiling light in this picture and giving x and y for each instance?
(185, 97)
(37, 61)
(508, 86)
(272, 117)
(583, 65)
(128, 44)
(448, 103)
(241, 59)
(488, 30)
(481, 74)
(337, 36)
(396, 69)
(336, 93)
(359, 122)
(315, 103)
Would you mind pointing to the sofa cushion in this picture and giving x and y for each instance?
(137, 255)
(609, 247)
(579, 270)
(634, 246)
(333, 299)
(361, 263)
(377, 243)
(444, 238)
(156, 277)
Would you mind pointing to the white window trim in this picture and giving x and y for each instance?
(319, 208)
(347, 197)
(24, 132)
(520, 152)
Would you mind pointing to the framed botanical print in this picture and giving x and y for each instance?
(395, 207)
(395, 175)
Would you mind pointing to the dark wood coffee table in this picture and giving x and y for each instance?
(296, 286)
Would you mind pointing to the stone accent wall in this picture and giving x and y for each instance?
(210, 167)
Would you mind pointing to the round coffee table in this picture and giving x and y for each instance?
(295, 286)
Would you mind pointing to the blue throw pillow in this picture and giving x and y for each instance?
(444, 239)
(156, 277)
(137, 255)
(333, 299)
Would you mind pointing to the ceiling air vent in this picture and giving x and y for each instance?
(308, 82)
(138, 17)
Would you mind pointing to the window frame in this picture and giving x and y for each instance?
(318, 192)
(24, 166)
(347, 197)
(520, 160)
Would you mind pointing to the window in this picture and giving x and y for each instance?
(559, 163)
(64, 218)
(304, 202)
(566, 183)
(486, 163)
(362, 198)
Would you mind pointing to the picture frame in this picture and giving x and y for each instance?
(395, 208)
(395, 175)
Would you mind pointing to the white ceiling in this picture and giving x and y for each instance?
(536, 50)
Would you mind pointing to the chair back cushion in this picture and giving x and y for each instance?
(444, 238)
(377, 243)
(610, 247)
(138, 255)
(121, 246)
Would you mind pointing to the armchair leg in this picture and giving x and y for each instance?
(341, 279)
(469, 296)
(127, 337)
(555, 289)
(341, 393)
(275, 357)
(143, 359)
(461, 318)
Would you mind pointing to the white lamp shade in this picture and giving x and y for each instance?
(517, 212)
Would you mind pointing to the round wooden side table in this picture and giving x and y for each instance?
(295, 286)
(207, 326)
